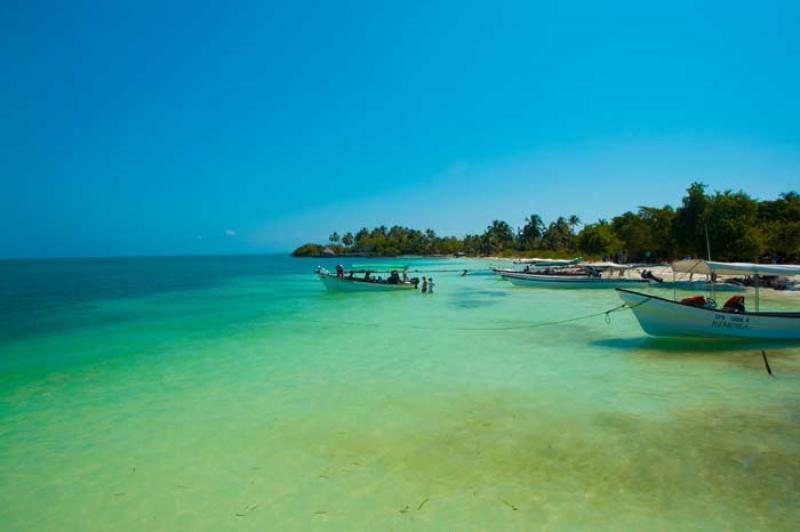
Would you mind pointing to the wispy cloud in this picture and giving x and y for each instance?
(230, 232)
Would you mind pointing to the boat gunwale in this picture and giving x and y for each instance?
(400, 285)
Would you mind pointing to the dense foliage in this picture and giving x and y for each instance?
(737, 227)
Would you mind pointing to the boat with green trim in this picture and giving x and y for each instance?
(366, 280)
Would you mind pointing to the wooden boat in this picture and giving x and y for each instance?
(700, 317)
(563, 267)
(350, 283)
(573, 279)
(540, 265)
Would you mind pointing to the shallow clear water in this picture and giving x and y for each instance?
(210, 393)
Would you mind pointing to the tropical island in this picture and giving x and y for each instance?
(740, 228)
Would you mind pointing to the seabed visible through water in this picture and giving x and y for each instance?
(214, 393)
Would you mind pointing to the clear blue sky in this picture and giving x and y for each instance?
(170, 128)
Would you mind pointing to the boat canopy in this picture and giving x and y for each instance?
(378, 266)
(549, 262)
(733, 268)
(610, 265)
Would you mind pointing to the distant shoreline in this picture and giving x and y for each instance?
(374, 256)
(733, 225)
(319, 251)
(432, 256)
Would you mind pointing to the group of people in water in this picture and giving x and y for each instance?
(427, 285)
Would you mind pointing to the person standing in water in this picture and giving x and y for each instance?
(430, 285)
(424, 285)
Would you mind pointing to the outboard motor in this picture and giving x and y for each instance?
(592, 272)
(647, 274)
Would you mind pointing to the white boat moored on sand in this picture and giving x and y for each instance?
(699, 316)
(569, 280)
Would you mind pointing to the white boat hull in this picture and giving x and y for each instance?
(662, 317)
(332, 282)
(562, 281)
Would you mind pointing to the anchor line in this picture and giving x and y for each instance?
(605, 313)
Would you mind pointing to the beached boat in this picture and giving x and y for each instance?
(564, 266)
(540, 265)
(350, 283)
(569, 280)
(699, 316)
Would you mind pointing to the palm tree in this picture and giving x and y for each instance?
(573, 221)
(334, 237)
(558, 235)
(430, 237)
(497, 236)
(532, 231)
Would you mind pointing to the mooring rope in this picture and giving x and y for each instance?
(606, 313)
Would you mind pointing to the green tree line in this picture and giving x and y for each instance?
(738, 227)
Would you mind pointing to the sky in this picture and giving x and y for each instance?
(167, 128)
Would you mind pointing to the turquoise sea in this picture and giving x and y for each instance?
(235, 393)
